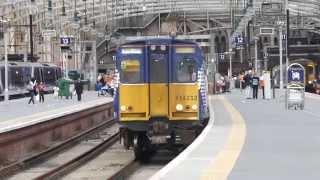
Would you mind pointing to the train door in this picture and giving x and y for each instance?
(184, 91)
(159, 79)
(133, 89)
(37, 73)
(42, 78)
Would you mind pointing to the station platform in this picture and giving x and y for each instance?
(250, 139)
(16, 114)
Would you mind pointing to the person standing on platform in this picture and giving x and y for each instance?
(41, 89)
(32, 89)
(241, 81)
(317, 85)
(247, 81)
(262, 86)
(255, 86)
(79, 88)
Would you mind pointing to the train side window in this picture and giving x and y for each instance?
(130, 71)
(17, 77)
(187, 70)
(49, 76)
(2, 78)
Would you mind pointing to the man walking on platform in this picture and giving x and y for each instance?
(78, 87)
(255, 86)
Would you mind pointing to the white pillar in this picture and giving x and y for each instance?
(93, 68)
(280, 54)
(6, 70)
(65, 59)
(256, 54)
(230, 64)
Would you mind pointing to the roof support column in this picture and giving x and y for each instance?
(213, 61)
(184, 24)
(229, 34)
(159, 25)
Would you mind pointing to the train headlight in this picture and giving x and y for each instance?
(194, 107)
(179, 107)
(123, 108)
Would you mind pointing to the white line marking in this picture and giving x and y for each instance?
(182, 156)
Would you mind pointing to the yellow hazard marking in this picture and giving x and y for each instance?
(221, 166)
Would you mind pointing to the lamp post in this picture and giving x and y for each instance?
(256, 39)
(6, 82)
(214, 70)
(280, 24)
(6, 70)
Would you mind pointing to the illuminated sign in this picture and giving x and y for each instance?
(266, 31)
(65, 41)
(271, 8)
(185, 50)
(131, 51)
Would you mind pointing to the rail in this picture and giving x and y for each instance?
(45, 135)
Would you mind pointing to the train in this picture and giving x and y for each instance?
(311, 68)
(19, 73)
(161, 94)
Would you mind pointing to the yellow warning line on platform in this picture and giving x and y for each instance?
(221, 166)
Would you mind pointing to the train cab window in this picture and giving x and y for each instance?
(187, 70)
(130, 71)
(158, 68)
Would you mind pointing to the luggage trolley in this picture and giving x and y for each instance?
(295, 93)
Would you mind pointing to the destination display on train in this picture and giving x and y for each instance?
(185, 50)
(131, 51)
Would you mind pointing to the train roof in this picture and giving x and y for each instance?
(160, 41)
(28, 64)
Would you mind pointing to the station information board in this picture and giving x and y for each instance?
(65, 41)
(296, 74)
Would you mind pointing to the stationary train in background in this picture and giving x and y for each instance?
(312, 70)
(161, 94)
(19, 73)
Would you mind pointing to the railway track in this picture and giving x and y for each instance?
(66, 155)
(136, 170)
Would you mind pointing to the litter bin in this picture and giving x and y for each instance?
(64, 86)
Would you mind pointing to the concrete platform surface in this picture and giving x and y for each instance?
(250, 139)
(18, 113)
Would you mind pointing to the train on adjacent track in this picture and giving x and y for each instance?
(19, 73)
(161, 94)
